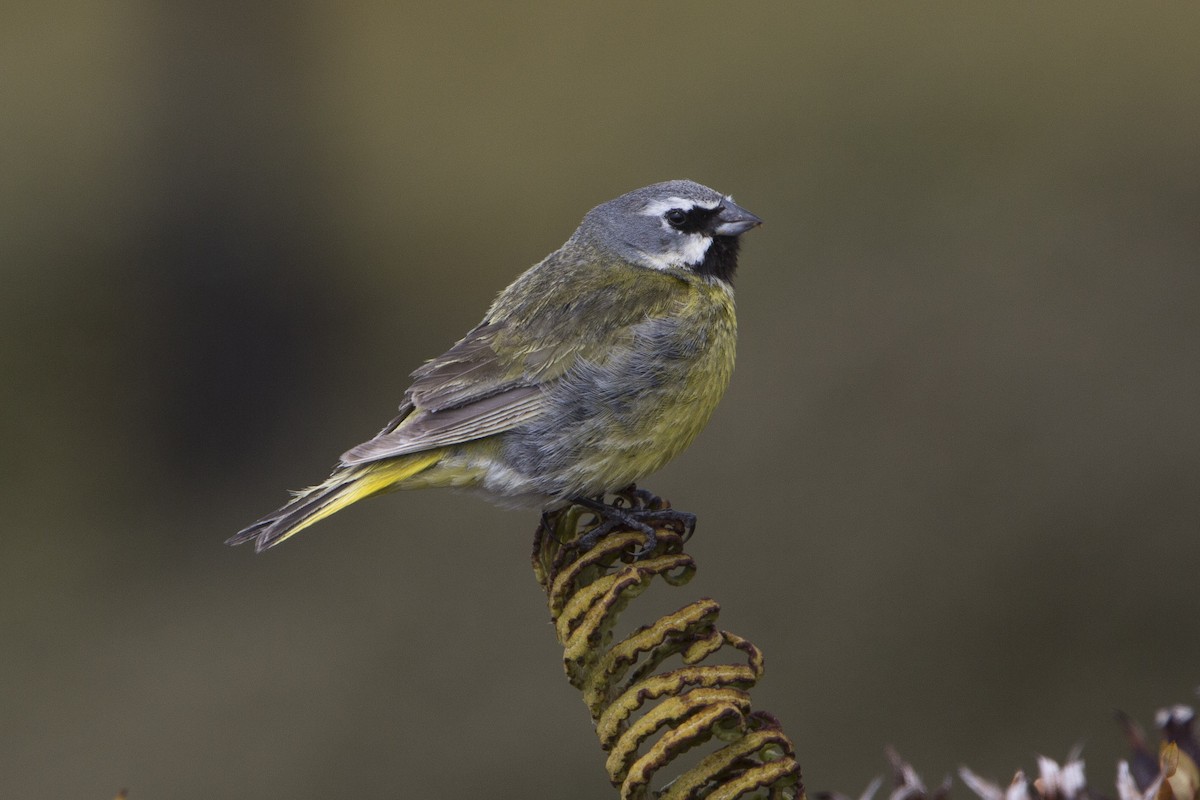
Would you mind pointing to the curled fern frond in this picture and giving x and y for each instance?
(646, 717)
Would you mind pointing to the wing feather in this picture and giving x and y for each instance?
(466, 393)
(495, 377)
(423, 429)
(468, 371)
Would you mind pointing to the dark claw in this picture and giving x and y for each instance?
(647, 511)
(589, 539)
(685, 520)
(649, 546)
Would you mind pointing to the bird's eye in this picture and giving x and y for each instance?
(675, 217)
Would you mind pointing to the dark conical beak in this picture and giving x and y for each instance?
(733, 220)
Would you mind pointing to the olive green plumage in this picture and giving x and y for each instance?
(591, 370)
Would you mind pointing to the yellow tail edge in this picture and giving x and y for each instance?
(343, 488)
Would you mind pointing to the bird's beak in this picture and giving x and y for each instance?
(733, 220)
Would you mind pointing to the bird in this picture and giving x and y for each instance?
(593, 369)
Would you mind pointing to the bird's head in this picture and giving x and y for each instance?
(672, 226)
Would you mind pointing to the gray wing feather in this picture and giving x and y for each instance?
(468, 371)
(466, 393)
(425, 430)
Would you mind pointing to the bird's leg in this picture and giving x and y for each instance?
(640, 498)
(645, 512)
(610, 517)
(649, 507)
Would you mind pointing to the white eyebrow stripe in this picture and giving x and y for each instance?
(657, 207)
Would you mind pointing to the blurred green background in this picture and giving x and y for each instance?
(952, 492)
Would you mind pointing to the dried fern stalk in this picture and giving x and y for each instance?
(646, 715)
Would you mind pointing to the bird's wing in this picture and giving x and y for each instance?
(417, 429)
(466, 393)
(496, 377)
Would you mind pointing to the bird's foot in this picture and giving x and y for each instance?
(636, 510)
(650, 508)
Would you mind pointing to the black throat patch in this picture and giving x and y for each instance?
(721, 259)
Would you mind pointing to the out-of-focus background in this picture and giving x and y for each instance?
(952, 493)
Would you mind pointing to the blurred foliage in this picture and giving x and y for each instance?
(969, 361)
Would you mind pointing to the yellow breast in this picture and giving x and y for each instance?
(667, 419)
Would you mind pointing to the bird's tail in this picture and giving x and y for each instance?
(344, 486)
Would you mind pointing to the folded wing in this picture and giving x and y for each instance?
(496, 377)
(467, 393)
